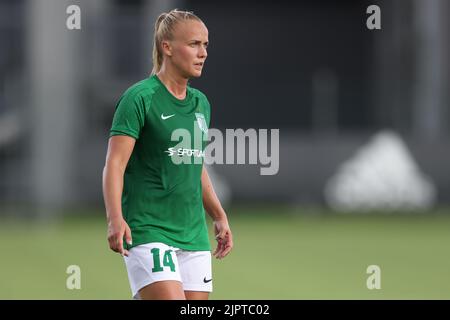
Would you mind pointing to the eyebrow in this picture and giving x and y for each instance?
(198, 41)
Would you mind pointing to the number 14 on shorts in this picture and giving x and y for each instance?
(167, 260)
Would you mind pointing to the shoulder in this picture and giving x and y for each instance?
(141, 91)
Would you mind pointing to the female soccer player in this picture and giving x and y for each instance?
(155, 187)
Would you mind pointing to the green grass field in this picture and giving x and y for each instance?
(280, 253)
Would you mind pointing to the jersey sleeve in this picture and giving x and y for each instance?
(129, 117)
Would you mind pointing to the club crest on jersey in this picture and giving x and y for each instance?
(201, 122)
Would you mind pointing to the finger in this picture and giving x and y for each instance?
(112, 244)
(220, 252)
(226, 251)
(222, 238)
(120, 246)
(128, 238)
(228, 246)
(219, 249)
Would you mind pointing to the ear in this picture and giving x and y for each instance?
(166, 48)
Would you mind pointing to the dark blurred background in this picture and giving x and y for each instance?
(363, 114)
(310, 68)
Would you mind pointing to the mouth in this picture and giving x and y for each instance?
(199, 64)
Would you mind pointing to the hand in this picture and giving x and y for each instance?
(117, 230)
(224, 238)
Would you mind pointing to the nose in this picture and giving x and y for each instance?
(202, 53)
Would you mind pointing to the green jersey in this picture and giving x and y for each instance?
(162, 191)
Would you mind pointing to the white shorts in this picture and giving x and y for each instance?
(156, 261)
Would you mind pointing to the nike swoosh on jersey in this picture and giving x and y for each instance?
(166, 117)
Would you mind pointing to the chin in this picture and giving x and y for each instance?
(196, 74)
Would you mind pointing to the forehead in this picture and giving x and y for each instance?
(191, 29)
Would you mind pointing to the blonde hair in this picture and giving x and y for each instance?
(164, 27)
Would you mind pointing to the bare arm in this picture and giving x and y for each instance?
(119, 152)
(213, 207)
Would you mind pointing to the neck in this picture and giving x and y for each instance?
(175, 83)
